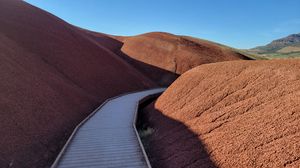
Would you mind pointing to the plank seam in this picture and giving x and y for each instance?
(61, 153)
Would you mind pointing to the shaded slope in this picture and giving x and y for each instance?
(159, 75)
(176, 53)
(52, 75)
(163, 56)
(104, 40)
(244, 113)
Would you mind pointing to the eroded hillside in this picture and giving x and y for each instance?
(52, 76)
(231, 114)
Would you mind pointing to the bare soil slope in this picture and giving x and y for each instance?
(52, 76)
(175, 53)
(159, 75)
(230, 114)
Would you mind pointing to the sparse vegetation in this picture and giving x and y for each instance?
(251, 55)
(288, 47)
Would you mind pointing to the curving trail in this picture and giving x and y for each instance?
(108, 137)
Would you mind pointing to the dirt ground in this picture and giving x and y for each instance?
(230, 114)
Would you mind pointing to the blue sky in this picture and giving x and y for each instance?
(236, 23)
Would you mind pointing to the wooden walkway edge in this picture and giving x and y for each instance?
(108, 136)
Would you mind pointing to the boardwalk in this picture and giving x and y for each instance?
(108, 138)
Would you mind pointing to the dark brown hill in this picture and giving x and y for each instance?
(164, 56)
(52, 76)
(173, 54)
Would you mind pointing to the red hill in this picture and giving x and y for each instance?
(230, 114)
(52, 76)
(175, 54)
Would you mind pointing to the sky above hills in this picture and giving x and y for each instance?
(236, 23)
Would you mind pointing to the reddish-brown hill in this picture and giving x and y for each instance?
(173, 53)
(230, 114)
(163, 56)
(52, 76)
(114, 43)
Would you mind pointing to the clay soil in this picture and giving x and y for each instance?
(174, 53)
(52, 76)
(162, 57)
(230, 114)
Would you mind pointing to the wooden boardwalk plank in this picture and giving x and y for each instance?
(108, 139)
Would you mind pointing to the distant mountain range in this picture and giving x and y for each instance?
(285, 47)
